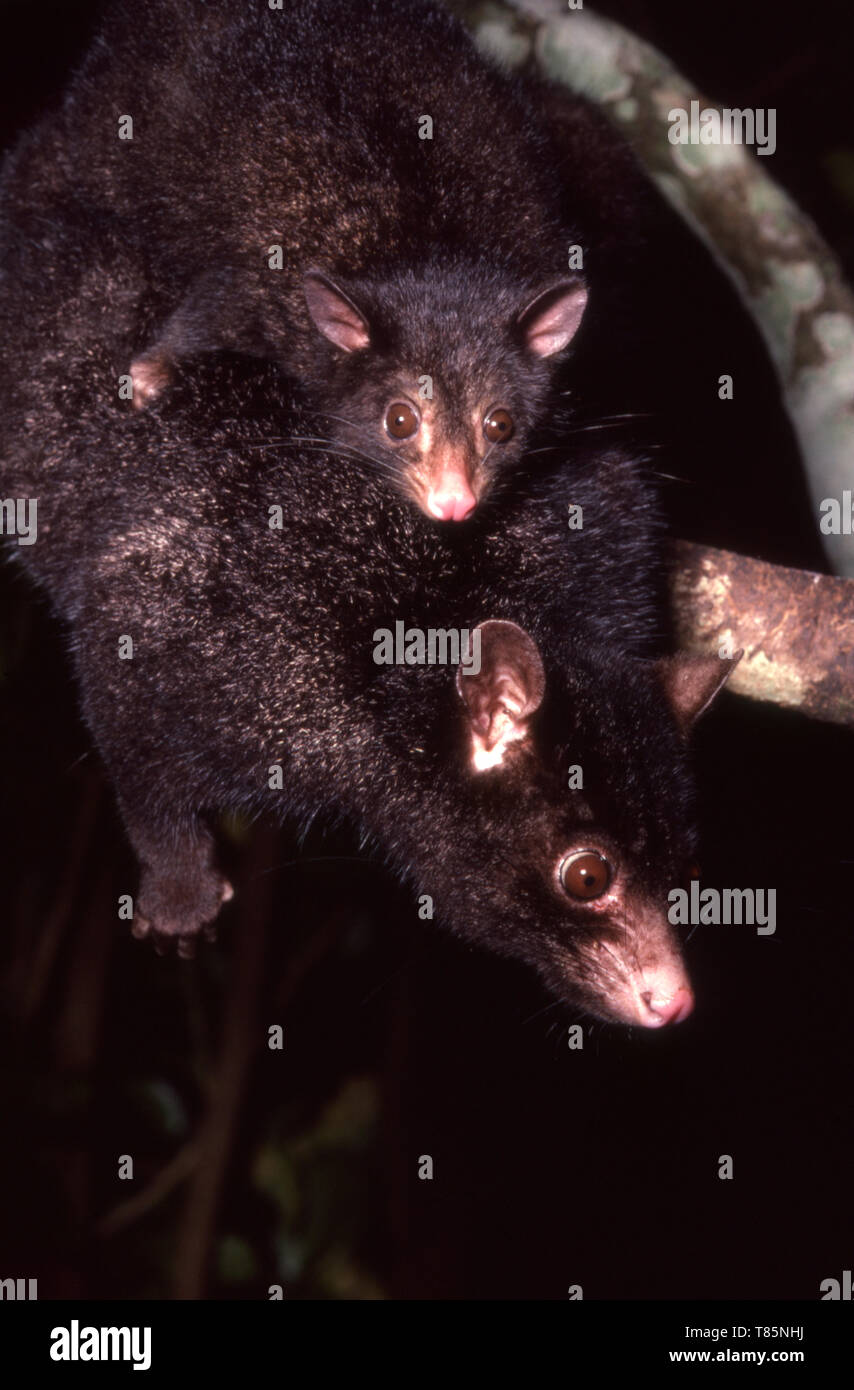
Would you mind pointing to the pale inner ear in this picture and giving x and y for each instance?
(334, 314)
(504, 693)
(551, 320)
(499, 722)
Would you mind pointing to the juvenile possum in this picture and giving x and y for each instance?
(253, 650)
(423, 296)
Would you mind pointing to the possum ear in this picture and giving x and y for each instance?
(334, 314)
(502, 684)
(691, 683)
(550, 321)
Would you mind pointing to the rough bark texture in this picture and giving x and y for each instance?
(796, 629)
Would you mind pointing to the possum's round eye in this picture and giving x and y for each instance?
(585, 874)
(498, 426)
(401, 420)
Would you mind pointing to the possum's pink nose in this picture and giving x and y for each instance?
(655, 1012)
(451, 499)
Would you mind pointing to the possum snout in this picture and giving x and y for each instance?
(660, 996)
(450, 498)
(637, 987)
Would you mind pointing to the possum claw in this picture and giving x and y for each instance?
(141, 928)
(186, 948)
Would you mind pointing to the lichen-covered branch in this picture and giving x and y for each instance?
(796, 629)
(786, 275)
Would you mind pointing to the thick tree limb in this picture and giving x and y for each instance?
(796, 628)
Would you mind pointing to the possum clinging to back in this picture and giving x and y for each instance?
(226, 663)
(278, 185)
(253, 686)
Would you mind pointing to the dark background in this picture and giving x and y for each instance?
(552, 1167)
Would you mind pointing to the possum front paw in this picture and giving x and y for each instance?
(173, 910)
(150, 373)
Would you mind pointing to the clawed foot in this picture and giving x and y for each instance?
(174, 914)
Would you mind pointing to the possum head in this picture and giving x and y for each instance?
(575, 879)
(438, 377)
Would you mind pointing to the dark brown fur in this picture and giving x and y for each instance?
(255, 128)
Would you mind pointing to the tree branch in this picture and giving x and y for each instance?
(796, 628)
(786, 275)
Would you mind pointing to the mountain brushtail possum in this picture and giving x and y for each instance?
(227, 597)
(350, 190)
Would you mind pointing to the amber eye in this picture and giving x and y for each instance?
(498, 426)
(401, 420)
(585, 874)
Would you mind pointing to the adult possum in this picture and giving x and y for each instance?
(227, 662)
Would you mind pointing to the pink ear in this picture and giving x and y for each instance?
(334, 314)
(504, 693)
(550, 321)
